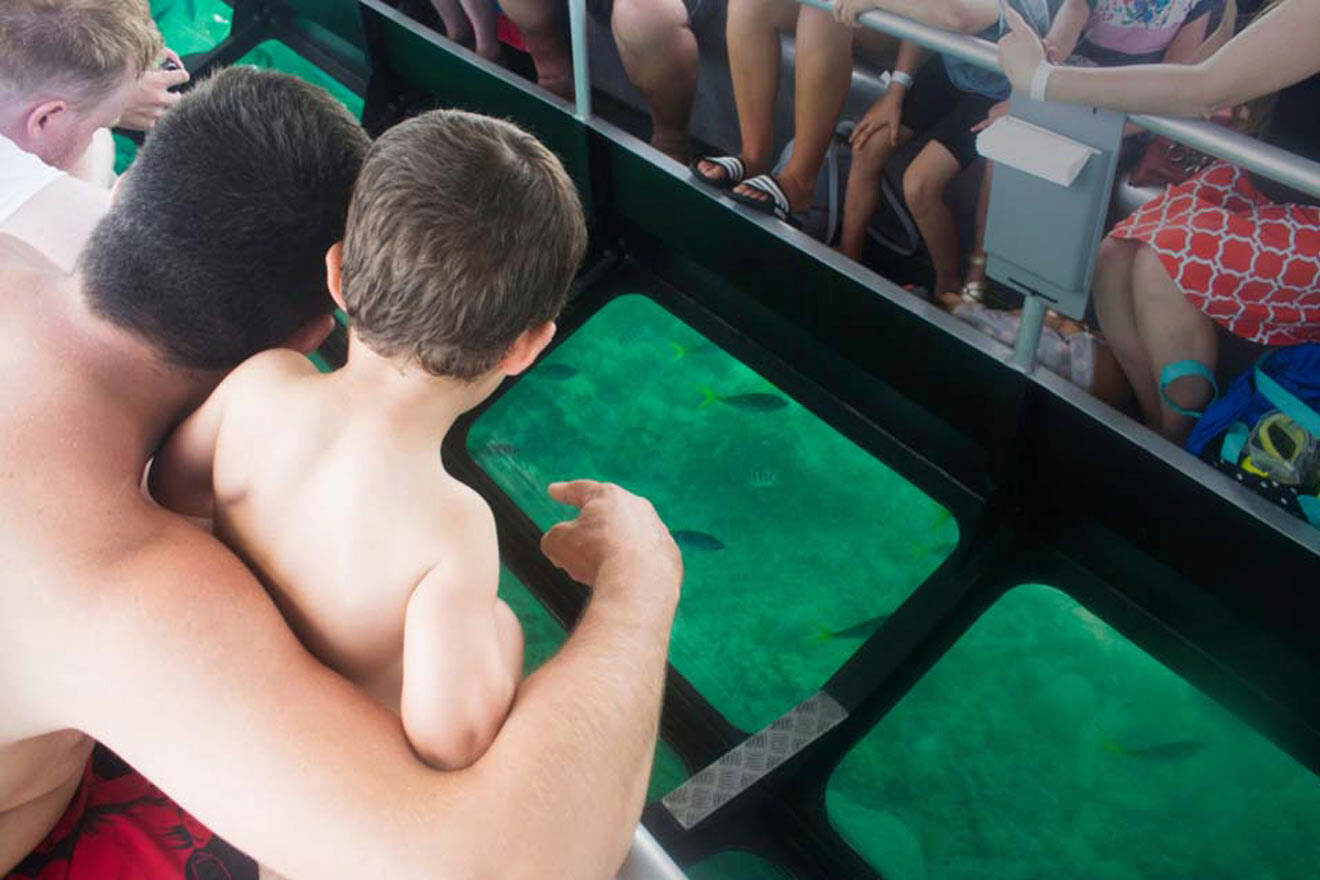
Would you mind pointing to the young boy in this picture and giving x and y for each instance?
(462, 238)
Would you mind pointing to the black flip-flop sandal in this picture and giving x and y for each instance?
(776, 206)
(734, 171)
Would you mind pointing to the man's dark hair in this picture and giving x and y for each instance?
(215, 247)
(464, 232)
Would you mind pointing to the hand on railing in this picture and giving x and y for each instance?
(847, 11)
(1020, 50)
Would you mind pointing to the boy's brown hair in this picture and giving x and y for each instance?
(86, 46)
(464, 232)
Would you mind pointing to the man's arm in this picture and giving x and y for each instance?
(179, 662)
(459, 674)
(58, 220)
(1274, 52)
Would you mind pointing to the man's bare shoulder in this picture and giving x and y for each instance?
(271, 365)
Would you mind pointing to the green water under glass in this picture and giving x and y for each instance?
(190, 26)
(1045, 744)
(796, 542)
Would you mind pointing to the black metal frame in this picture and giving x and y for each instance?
(1204, 576)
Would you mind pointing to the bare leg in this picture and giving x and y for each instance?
(1113, 286)
(659, 52)
(482, 15)
(457, 27)
(1172, 330)
(863, 190)
(752, 35)
(538, 21)
(822, 76)
(976, 260)
(923, 188)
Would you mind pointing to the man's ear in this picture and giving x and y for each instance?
(308, 338)
(527, 348)
(334, 273)
(43, 117)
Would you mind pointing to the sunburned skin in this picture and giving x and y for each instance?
(128, 623)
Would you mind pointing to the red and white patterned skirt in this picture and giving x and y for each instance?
(1250, 264)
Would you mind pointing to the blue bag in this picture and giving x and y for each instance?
(1286, 379)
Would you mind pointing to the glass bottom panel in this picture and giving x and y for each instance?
(736, 864)
(797, 543)
(1045, 744)
(270, 55)
(190, 26)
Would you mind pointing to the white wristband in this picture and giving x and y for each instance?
(1039, 80)
(902, 78)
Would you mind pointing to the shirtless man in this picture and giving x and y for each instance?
(282, 455)
(121, 621)
(69, 69)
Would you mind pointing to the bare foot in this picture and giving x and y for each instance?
(717, 173)
(798, 193)
(948, 300)
(560, 84)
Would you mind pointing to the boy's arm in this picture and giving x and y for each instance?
(1066, 29)
(458, 670)
(178, 661)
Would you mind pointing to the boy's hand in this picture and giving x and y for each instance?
(847, 11)
(616, 531)
(1020, 50)
(153, 96)
(884, 118)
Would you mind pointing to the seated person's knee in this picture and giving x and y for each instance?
(921, 189)
(642, 23)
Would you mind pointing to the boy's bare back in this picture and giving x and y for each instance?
(370, 550)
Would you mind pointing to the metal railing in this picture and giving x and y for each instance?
(1254, 155)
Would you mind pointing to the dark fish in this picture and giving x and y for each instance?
(555, 372)
(763, 478)
(1173, 750)
(754, 402)
(681, 350)
(860, 630)
(700, 541)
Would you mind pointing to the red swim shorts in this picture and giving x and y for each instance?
(121, 827)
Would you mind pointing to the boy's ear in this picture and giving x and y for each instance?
(334, 273)
(308, 338)
(527, 348)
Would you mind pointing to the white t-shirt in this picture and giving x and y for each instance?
(22, 176)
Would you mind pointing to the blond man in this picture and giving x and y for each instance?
(69, 70)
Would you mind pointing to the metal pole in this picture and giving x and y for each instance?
(1254, 155)
(577, 27)
(1028, 338)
